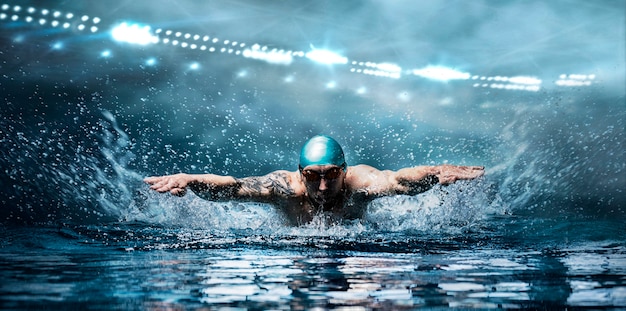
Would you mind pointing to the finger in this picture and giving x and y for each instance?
(165, 186)
(477, 171)
(445, 179)
(472, 172)
(161, 189)
(151, 180)
(159, 184)
(179, 192)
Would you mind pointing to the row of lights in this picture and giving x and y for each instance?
(575, 80)
(387, 70)
(143, 35)
(196, 41)
(58, 19)
(518, 83)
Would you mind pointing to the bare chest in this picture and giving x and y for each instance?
(300, 210)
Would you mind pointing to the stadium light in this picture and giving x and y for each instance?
(134, 34)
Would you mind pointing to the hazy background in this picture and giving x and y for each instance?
(85, 117)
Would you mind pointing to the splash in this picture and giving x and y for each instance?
(550, 167)
(447, 210)
(194, 212)
(459, 208)
(57, 174)
(91, 175)
(87, 176)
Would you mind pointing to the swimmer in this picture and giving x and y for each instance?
(323, 183)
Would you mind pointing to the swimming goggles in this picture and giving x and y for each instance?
(332, 173)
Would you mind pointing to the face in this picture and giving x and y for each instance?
(323, 182)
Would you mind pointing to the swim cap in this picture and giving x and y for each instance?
(322, 150)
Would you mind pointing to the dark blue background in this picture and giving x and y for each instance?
(79, 130)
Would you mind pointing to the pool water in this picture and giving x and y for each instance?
(138, 266)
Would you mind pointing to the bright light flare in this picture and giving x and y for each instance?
(441, 73)
(326, 57)
(389, 67)
(575, 80)
(150, 61)
(134, 34)
(272, 57)
(525, 80)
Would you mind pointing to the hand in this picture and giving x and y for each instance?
(175, 184)
(450, 173)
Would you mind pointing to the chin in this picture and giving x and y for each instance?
(319, 200)
(325, 198)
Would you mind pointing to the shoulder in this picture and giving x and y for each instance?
(274, 176)
(287, 184)
(283, 176)
(362, 169)
(283, 183)
(361, 177)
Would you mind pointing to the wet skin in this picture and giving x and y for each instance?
(316, 188)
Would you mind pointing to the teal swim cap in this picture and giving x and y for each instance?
(322, 150)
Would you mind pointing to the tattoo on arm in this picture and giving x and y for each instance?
(213, 193)
(251, 186)
(265, 187)
(280, 184)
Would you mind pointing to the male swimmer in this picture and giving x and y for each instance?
(323, 183)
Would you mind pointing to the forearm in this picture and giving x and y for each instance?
(417, 179)
(213, 187)
(224, 188)
(428, 176)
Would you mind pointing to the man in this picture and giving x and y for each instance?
(323, 183)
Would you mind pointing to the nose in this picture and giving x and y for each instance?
(323, 185)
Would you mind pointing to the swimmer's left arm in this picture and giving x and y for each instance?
(421, 178)
(411, 180)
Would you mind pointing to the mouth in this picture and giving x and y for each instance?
(324, 196)
(320, 199)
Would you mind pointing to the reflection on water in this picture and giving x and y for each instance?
(68, 271)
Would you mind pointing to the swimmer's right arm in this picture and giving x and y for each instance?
(204, 185)
(223, 188)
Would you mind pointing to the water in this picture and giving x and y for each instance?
(85, 118)
(138, 266)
